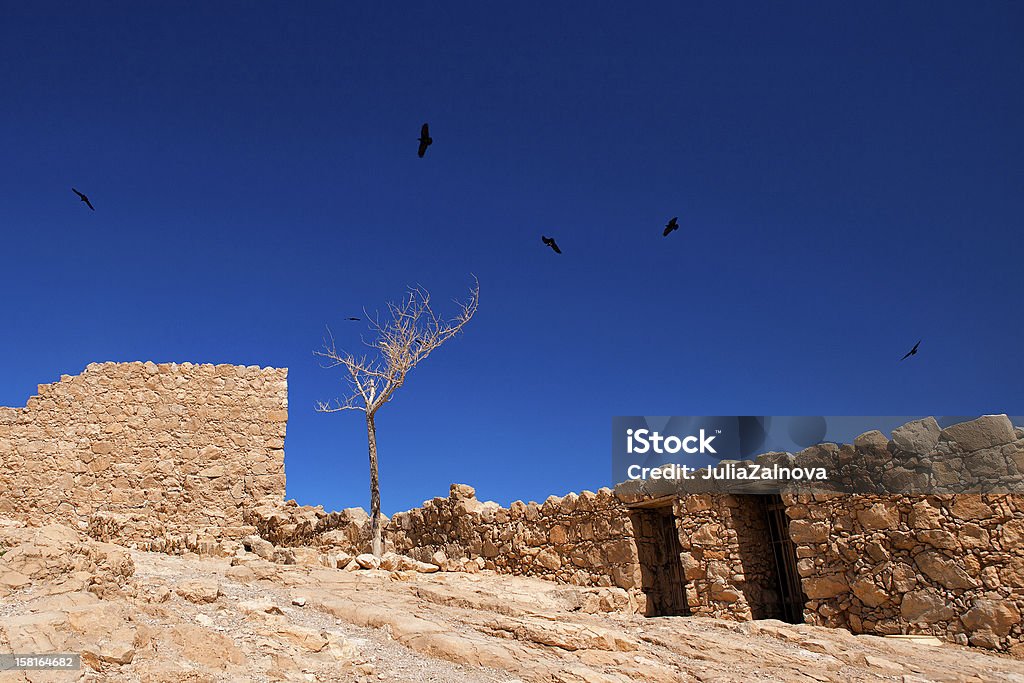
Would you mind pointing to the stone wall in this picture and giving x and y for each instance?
(172, 457)
(727, 557)
(584, 539)
(154, 455)
(950, 566)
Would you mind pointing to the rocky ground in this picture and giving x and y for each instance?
(151, 617)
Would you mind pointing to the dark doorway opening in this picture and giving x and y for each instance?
(657, 541)
(791, 593)
(771, 584)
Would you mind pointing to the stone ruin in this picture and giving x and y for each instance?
(156, 456)
(189, 457)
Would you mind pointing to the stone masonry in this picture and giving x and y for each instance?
(144, 453)
(948, 565)
(583, 539)
(190, 457)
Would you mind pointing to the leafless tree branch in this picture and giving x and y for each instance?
(408, 332)
(404, 337)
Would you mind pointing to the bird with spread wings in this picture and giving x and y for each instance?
(670, 226)
(425, 140)
(84, 199)
(550, 242)
(911, 352)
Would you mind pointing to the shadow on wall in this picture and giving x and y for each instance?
(771, 584)
(658, 549)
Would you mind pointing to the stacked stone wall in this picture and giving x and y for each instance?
(727, 556)
(147, 454)
(950, 566)
(584, 539)
(172, 457)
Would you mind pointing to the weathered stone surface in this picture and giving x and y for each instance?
(205, 647)
(462, 492)
(869, 592)
(924, 515)
(261, 547)
(259, 606)
(424, 567)
(368, 561)
(970, 507)
(994, 614)
(927, 605)
(825, 586)
(308, 639)
(938, 538)
(725, 592)
(65, 559)
(448, 625)
(199, 590)
(708, 534)
(944, 570)
(876, 439)
(985, 432)
(919, 436)
(692, 568)
(549, 559)
(807, 531)
(879, 516)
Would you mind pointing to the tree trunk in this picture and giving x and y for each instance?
(371, 435)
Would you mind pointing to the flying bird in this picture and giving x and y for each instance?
(425, 140)
(911, 352)
(84, 199)
(352, 318)
(670, 226)
(550, 241)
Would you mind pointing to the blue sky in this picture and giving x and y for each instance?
(848, 180)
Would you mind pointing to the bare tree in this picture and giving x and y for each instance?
(408, 332)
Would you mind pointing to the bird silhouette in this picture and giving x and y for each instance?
(425, 140)
(670, 226)
(84, 199)
(911, 352)
(353, 318)
(550, 241)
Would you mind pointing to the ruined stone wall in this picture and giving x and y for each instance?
(144, 453)
(950, 566)
(727, 556)
(945, 564)
(584, 539)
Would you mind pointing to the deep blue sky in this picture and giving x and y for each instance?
(849, 179)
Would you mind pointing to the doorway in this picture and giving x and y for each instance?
(791, 593)
(767, 558)
(658, 548)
